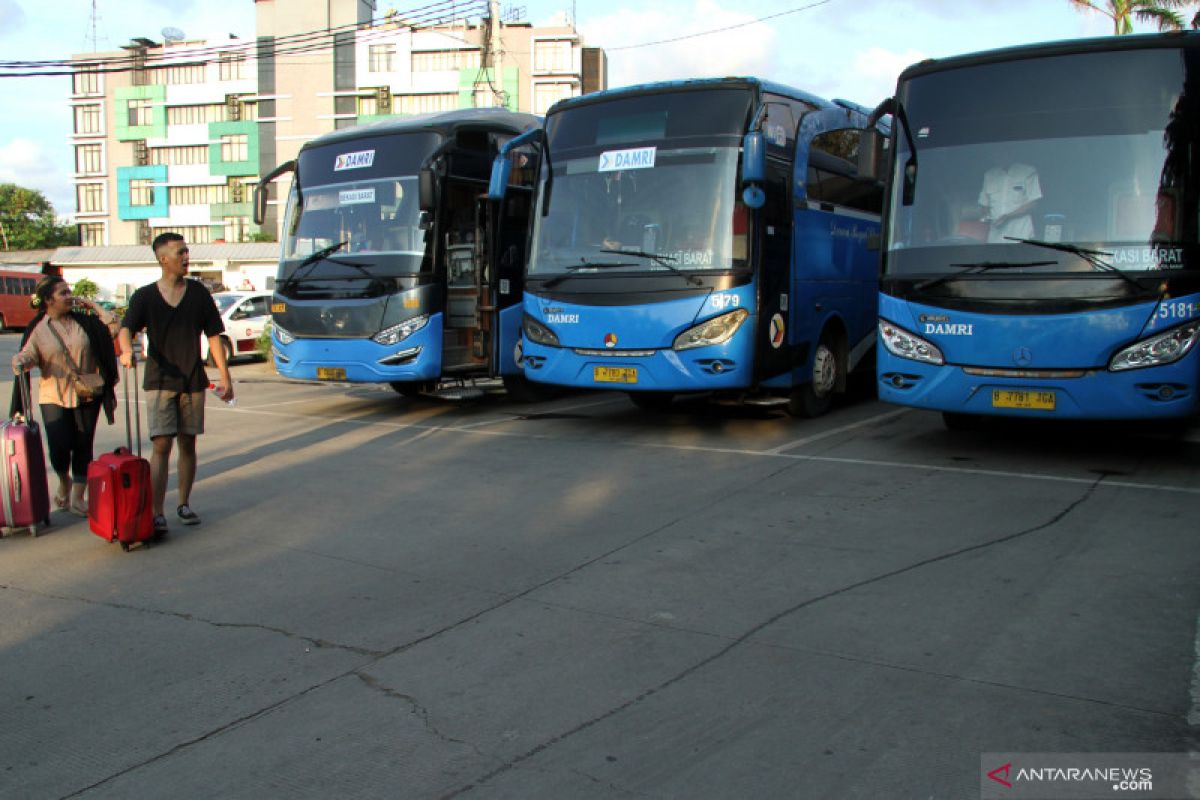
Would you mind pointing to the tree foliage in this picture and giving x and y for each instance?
(27, 221)
(85, 287)
(1166, 14)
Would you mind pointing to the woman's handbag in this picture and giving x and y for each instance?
(88, 385)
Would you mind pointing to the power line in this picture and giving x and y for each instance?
(422, 17)
(720, 30)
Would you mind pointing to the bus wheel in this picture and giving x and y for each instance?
(411, 390)
(652, 401)
(815, 397)
(961, 422)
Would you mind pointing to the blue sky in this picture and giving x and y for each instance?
(833, 48)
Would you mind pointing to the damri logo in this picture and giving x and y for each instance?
(359, 160)
(1000, 774)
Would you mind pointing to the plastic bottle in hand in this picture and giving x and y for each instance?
(230, 402)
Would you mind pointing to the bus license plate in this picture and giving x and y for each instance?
(1019, 398)
(614, 374)
(331, 373)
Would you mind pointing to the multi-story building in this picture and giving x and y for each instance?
(177, 138)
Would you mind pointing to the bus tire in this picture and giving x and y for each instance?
(957, 421)
(523, 390)
(656, 402)
(411, 390)
(815, 397)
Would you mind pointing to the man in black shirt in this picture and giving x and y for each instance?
(175, 312)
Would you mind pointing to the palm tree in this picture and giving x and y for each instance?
(1164, 13)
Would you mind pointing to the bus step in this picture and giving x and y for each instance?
(766, 402)
(459, 393)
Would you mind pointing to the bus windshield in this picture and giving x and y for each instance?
(1091, 152)
(371, 216)
(643, 184)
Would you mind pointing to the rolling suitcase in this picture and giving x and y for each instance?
(26, 501)
(120, 504)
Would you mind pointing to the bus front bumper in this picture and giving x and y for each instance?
(703, 369)
(417, 359)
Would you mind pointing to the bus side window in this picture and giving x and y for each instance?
(833, 173)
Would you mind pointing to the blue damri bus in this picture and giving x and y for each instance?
(706, 236)
(1040, 244)
(395, 268)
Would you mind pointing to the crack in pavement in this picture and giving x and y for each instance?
(756, 629)
(418, 710)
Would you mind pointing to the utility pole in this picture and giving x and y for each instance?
(495, 46)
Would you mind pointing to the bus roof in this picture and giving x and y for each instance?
(1106, 44)
(663, 87)
(445, 122)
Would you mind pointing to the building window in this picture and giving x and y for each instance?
(91, 234)
(179, 156)
(89, 159)
(187, 73)
(381, 58)
(485, 97)
(231, 67)
(552, 55)
(194, 234)
(141, 192)
(89, 198)
(424, 103)
(547, 94)
(195, 115)
(140, 112)
(235, 147)
(443, 60)
(237, 229)
(86, 82)
(88, 119)
(197, 195)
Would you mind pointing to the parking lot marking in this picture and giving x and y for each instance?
(836, 431)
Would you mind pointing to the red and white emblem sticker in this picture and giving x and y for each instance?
(610, 340)
(776, 332)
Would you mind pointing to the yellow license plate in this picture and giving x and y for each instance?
(1019, 398)
(614, 374)
(331, 373)
(278, 308)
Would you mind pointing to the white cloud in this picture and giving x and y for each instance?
(28, 164)
(741, 47)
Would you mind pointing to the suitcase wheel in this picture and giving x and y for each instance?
(125, 546)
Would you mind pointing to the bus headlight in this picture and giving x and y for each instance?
(717, 330)
(900, 342)
(281, 334)
(538, 333)
(1165, 348)
(398, 333)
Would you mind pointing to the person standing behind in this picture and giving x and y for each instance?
(174, 312)
(63, 342)
(1007, 197)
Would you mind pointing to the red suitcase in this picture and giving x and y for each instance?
(26, 500)
(120, 504)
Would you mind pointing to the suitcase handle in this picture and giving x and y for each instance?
(137, 411)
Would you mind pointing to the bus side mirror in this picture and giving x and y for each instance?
(501, 172)
(260, 191)
(754, 169)
(870, 154)
(425, 191)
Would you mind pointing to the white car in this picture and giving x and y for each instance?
(245, 314)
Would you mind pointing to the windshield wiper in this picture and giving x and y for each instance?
(584, 263)
(975, 269)
(311, 260)
(664, 260)
(1093, 257)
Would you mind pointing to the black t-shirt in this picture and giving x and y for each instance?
(173, 362)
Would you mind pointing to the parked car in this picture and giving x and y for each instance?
(244, 314)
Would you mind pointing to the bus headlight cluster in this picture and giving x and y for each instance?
(717, 330)
(398, 333)
(1165, 348)
(538, 333)
(281, 334)
(900, 342)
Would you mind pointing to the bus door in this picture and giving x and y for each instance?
(463, 340)
(506, 238)
(774, 354)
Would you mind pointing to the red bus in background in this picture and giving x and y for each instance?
(15, 290)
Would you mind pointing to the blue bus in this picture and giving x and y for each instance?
(1040, 241)
(395, 268)
(705, 236)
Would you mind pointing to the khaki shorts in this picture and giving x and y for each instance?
(173, 413)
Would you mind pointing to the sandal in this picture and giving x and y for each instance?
(60, 502)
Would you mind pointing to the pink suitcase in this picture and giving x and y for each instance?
(26, 494)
